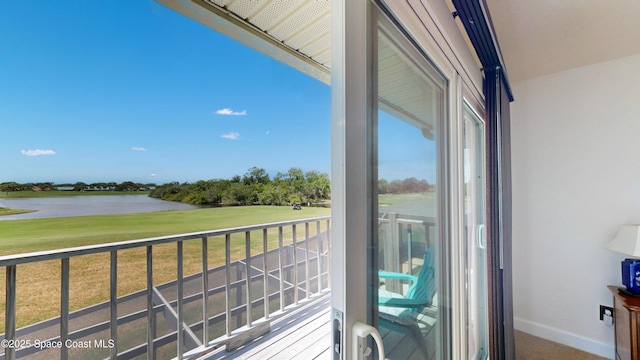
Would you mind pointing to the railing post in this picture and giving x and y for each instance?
(265, 273)
(247, 238)
(180, 300)
(280, 264)
(391, 252)
(227, 279)
(64, 308)
(306, 259)
(409, 249)
(114, 303)
(205, 291)
(10, 311)
(151, 317)
(295, 265)
(330, 245)
(318, 255)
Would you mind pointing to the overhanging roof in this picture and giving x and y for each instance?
(298, 33)
(295, 32)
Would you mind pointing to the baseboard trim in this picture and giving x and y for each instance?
(564, 337)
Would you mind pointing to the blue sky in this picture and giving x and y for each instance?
(130, 90)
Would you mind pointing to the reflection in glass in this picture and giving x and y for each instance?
(411, 106)
(475, 238)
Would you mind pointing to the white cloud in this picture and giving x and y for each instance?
(231, 136)
(136, 148)
(153, 174)
(37, 152)
(228, 111)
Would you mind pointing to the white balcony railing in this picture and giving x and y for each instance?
(291, 273)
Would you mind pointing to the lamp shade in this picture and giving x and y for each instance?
(627, 241)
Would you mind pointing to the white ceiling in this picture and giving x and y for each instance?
(539, 37)
(536, 37)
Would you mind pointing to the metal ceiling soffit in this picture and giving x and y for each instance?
(305, 50)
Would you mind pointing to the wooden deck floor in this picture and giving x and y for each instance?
(306, 334)
(303, 335)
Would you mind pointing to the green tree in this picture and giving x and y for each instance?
(10, 186)
(273, 194)
(317, 186)
(238, 194)
(126, 186)
(80, 186)
(256, 176)
(383, 186)
(254, 188)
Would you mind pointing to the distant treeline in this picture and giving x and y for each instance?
(406, 186)
(254, 188)
(79, 186)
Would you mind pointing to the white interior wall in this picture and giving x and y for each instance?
(576, 179)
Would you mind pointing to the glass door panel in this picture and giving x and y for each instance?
(411, 108)
(475, 236)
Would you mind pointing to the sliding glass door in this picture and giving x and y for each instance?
(409, 258)
(410, 247)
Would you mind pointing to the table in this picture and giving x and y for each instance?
(626, 313)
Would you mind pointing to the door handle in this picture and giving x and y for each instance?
(362, 330)
(482, 236)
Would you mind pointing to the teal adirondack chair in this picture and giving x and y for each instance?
(421, 290)
(401, 313)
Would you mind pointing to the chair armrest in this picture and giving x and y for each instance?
(396, 276)
(400, 302)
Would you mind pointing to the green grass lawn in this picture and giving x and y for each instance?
(38, 284)
(391, 199)
(20, 236)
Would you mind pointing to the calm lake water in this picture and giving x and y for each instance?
(88, 205)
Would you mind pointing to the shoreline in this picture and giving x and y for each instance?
(59, 193)
(8, 211)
